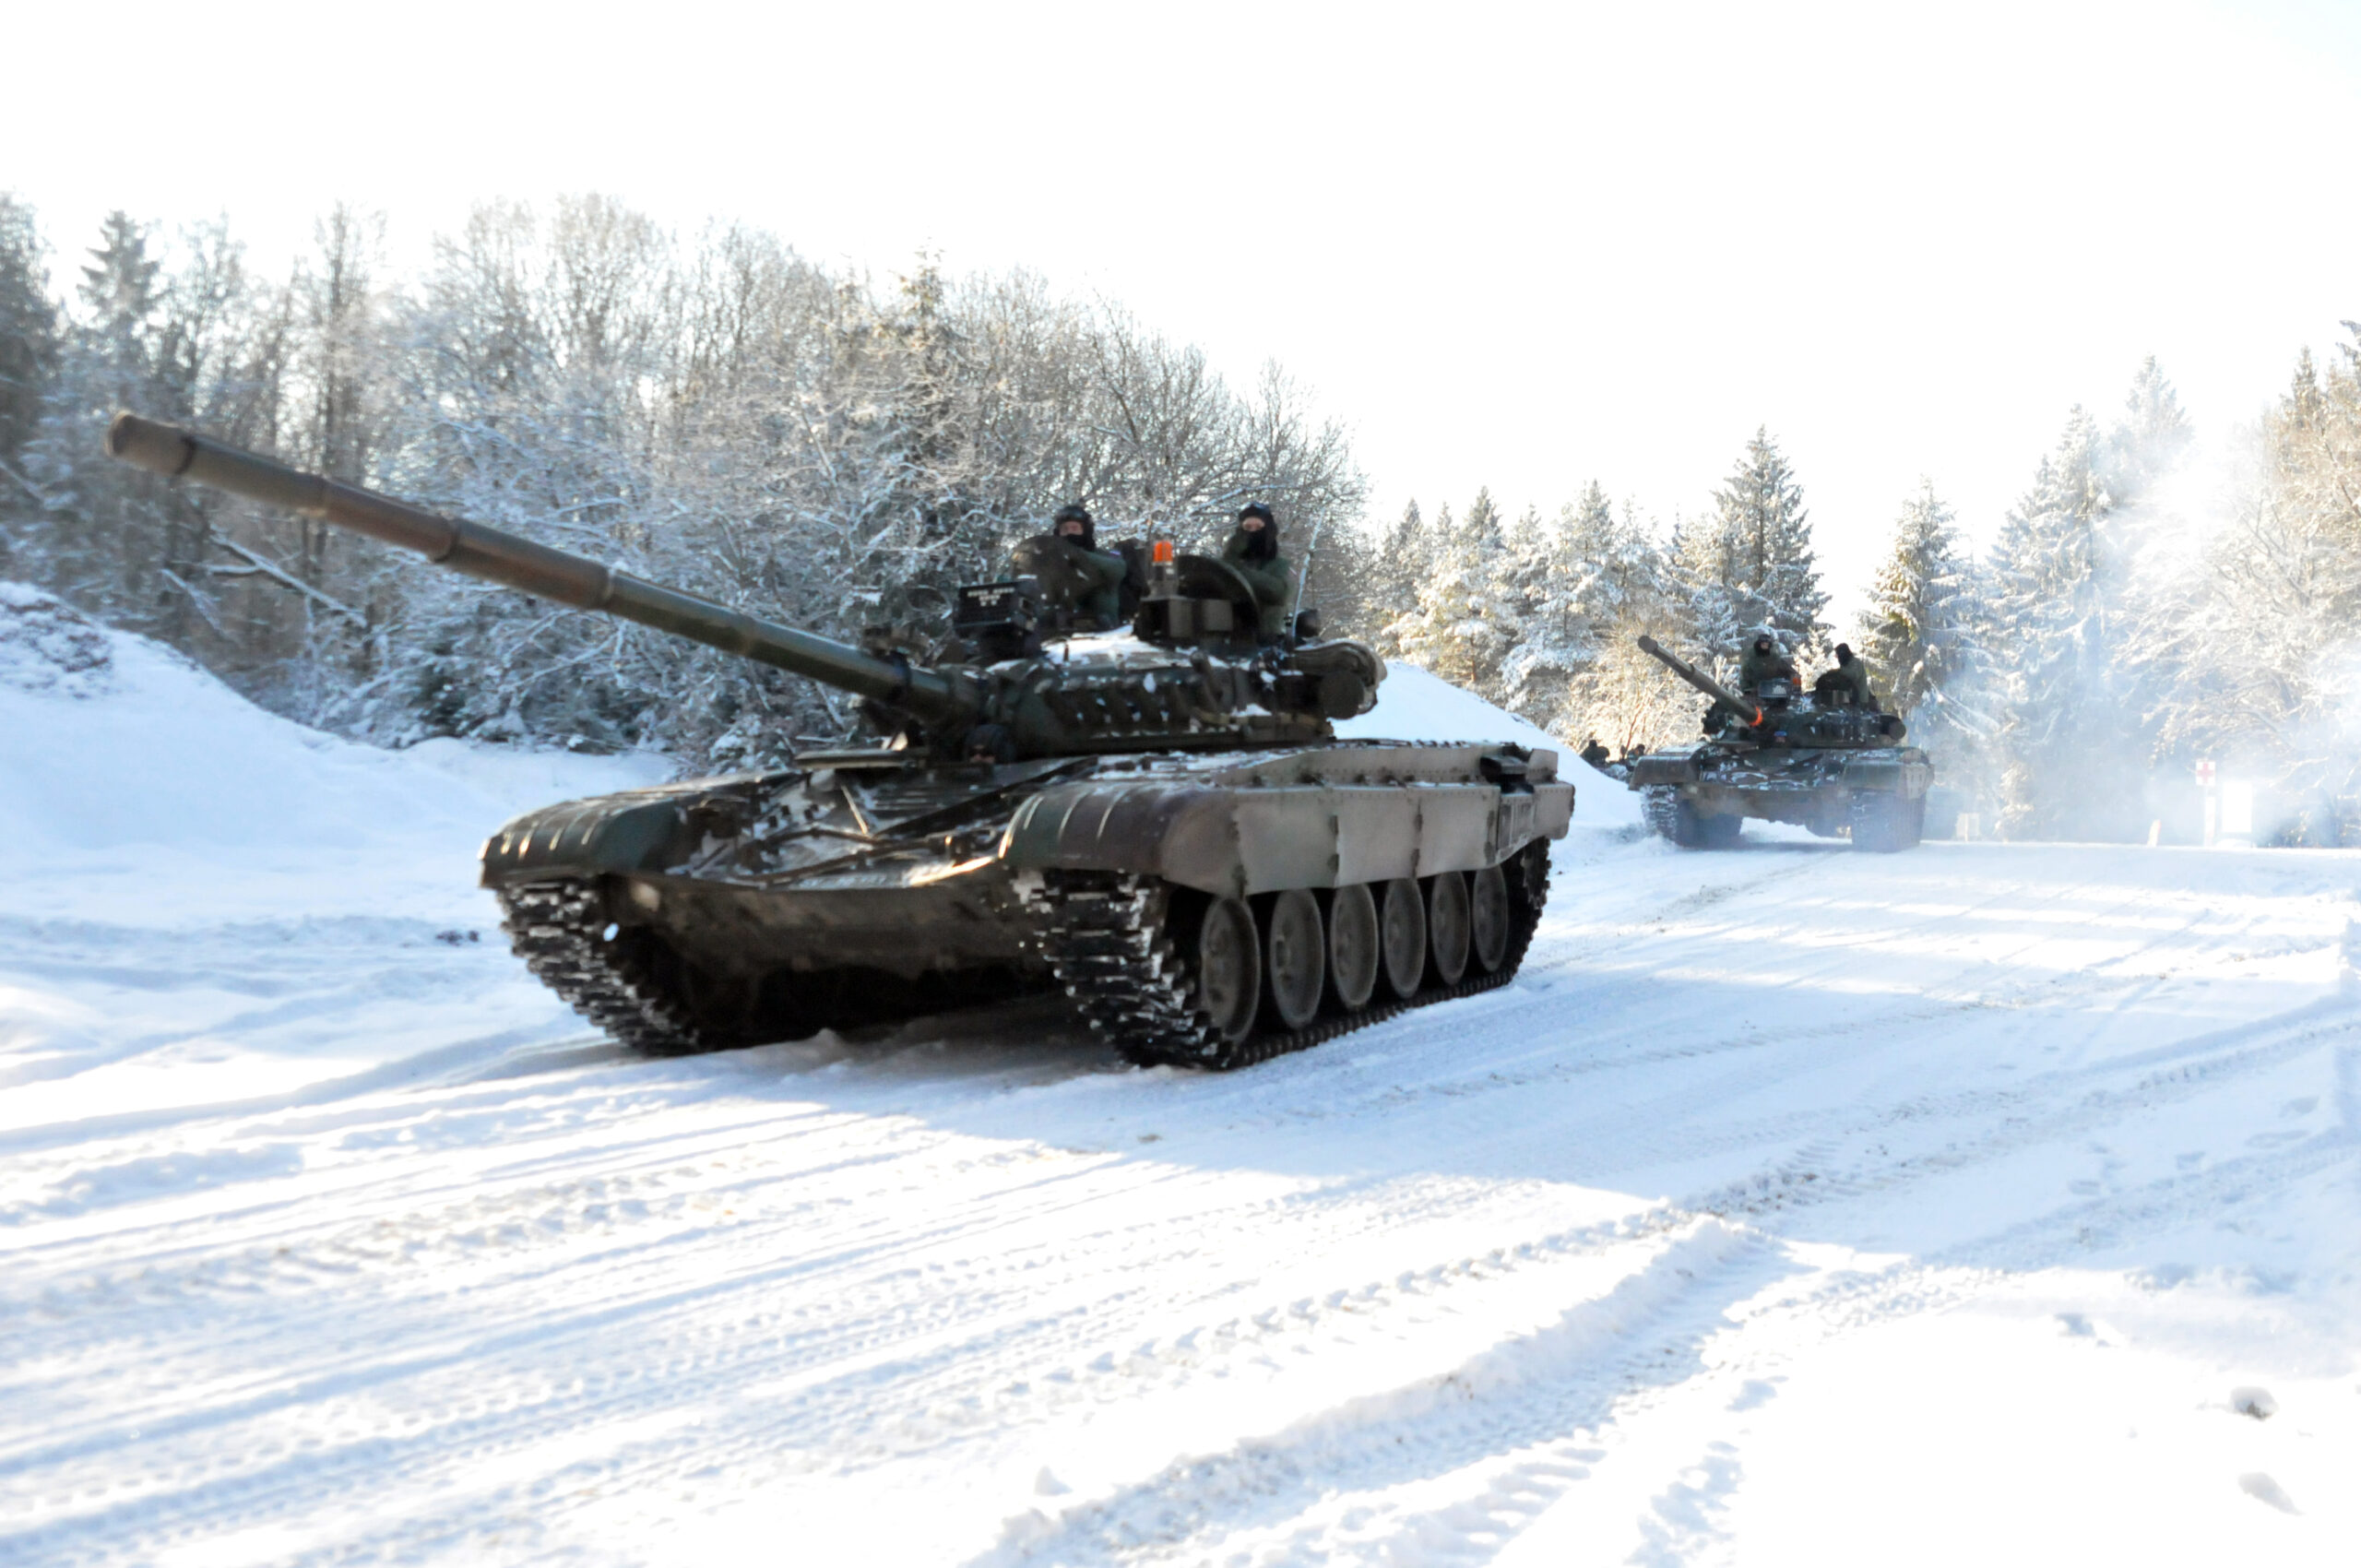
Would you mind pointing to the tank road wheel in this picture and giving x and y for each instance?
(1352, 946)
(1172, 976)
(1488, 918)
(1229, 970)
(1447, 926)
(1295, 957)
(1719, 832)
(1402, 936)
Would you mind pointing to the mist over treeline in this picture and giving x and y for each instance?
(836, 451)
(2138, 611)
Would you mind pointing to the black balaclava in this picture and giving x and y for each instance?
(1264, 543)
(1843, 653)
(1762, 645)
(1073, 512)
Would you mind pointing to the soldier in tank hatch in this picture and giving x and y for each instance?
(1764, 660)
(1254, 553)
(1850, 679)
(1077, 577)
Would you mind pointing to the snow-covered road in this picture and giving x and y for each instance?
(1793, 1205)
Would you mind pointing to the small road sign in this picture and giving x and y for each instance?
(2205, 773)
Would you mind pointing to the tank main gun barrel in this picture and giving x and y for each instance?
(1703, 682)
(534, 569)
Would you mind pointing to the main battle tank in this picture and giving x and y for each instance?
(1159, 821)
(1812, 760)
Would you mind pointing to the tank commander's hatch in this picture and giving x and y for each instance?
(1196, 598)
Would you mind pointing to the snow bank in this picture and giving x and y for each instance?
(1413, 704)
(204, 899)
(133, 776)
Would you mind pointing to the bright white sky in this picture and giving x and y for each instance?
(1521, 247)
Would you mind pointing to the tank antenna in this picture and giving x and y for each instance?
(1303, 578)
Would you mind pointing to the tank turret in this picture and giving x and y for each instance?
(1778, 717)
(1191, 674)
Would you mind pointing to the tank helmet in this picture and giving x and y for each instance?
(1256, 509)
(1074, 512)
(1843, 653)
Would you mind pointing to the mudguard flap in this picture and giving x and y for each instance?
(1902, 774)
(1553, 813)
(1242, 841)
(1664, 767)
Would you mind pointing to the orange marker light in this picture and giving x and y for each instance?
(1162, 555)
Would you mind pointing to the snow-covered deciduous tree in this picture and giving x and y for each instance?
(1621, 696)
(806, 443)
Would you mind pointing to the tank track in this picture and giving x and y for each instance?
(1660, 809)
(558, 928)
(1103, 933)
(1105, 936)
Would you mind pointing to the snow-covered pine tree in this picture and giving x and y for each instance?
(1465, 623)
(2068, 764)
(1751, 564)
(1549, 568)
(2152, 438)
(101, 524)
(1921, 639)
(28, 351)
(1399, 565)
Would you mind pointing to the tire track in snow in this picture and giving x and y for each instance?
(1531, 1405)
(453, 1448)
(634, 1351)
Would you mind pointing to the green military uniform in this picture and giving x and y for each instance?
(1273, 584)
(1753, 669)
(1086, 583)
(1103, 570)
(1854, 672)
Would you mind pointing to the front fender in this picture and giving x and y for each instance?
(638, 831)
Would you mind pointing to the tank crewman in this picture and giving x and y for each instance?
(1079, 577)
(1853, 673)
(1764, 660)
(1254, 553)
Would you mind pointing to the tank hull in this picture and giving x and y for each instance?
(871, 885)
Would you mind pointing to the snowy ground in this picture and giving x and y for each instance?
(1793, 1206)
